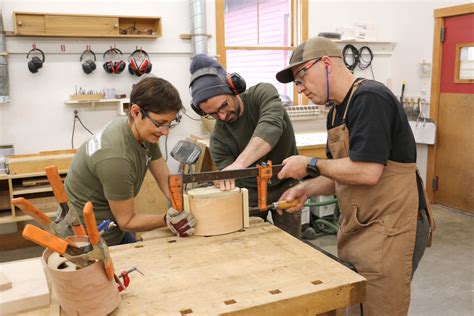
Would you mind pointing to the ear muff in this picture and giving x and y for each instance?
(108, 63)
(327, 84)
(236, 83)
(139, 69)
(197, 110)
(35, 63)
(89, 65)
(119, 65)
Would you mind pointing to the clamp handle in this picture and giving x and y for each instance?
(45, 239)
(264, 174)
(56, 183)
(91, 224)
(31, 210)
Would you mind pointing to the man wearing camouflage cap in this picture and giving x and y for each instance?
(385, 221)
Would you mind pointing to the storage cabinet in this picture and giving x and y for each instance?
(34, 187)
(70, 25)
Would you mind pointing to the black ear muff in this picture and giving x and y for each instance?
(197, 110)
(89, 65)
(35, 63)
(236, 83)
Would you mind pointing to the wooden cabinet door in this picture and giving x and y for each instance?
(68, 25)
(28, 24)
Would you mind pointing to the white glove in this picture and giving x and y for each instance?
(180, 223)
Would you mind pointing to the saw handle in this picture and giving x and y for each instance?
(56, 183)
(91, 223)
(283, 205)
(31, 210)
(45, 239)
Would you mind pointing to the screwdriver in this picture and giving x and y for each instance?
(280, 205)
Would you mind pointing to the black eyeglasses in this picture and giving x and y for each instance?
(221, 110)
(302, 72)
(169, 125)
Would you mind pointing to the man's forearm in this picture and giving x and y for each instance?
(346, 171)
(255, 149)
(319, 186)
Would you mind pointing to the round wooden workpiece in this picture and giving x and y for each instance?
(217, 212)
(84, 291)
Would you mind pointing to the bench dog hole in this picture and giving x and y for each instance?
(186, 311)
(317, 282)
(277, 291)
(229, 302)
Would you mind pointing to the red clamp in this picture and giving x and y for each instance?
(122, 285)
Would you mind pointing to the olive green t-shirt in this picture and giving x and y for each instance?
(264, 117)
(111, 165)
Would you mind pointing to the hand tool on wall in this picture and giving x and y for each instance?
(67, 216)
(61, 246)
(100, 250)
(36, 214)
(126, 279)
(263, 172)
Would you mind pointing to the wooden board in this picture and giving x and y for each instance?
(29, 287)
(38, 163)
(5, 282)
(259, 271)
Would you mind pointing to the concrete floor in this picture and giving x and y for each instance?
(444, 281)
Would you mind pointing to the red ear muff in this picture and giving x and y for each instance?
(139, 69)
(236, 83)
(144, 66)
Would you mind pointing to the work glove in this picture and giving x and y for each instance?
(180, 223)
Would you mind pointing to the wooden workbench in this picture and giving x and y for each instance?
(259, 271)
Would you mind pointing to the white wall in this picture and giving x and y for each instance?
(37, 118)
(409, 24)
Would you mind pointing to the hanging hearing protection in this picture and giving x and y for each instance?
(89, 65)
(233, 80)
(112, 65)
(35, 63)
(138, 69)
(327, 85)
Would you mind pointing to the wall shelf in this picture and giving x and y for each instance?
(75, 25)
(121, 105)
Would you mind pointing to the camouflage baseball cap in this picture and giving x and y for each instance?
(313, 48)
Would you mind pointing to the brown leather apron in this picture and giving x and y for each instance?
(378, 228)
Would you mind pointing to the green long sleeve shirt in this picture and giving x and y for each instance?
(264, 117)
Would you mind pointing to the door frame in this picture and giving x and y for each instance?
(439, 16)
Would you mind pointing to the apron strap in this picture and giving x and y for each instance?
(353, 90)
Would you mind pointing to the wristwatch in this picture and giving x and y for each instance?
(312, 168)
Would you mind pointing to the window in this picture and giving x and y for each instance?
(255, 38)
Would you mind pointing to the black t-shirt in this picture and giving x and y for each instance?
(378, 128)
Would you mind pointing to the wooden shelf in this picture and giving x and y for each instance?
(81, 25)
(31, 190)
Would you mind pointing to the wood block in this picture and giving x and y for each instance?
(37, 163)
(217, 212)
(5, 283)
(29, 287)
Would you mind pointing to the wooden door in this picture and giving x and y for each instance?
(453, 170)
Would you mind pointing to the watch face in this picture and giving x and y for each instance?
(312, 170)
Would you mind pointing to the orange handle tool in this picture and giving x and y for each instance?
(56, 183)
(283, 205)
(45, 239)
(32, 210)
(91, 224)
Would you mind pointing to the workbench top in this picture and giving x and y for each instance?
(258, 271)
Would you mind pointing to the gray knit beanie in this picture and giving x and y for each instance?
(208, 79)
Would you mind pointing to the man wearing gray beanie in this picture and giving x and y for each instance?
(251, 126)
